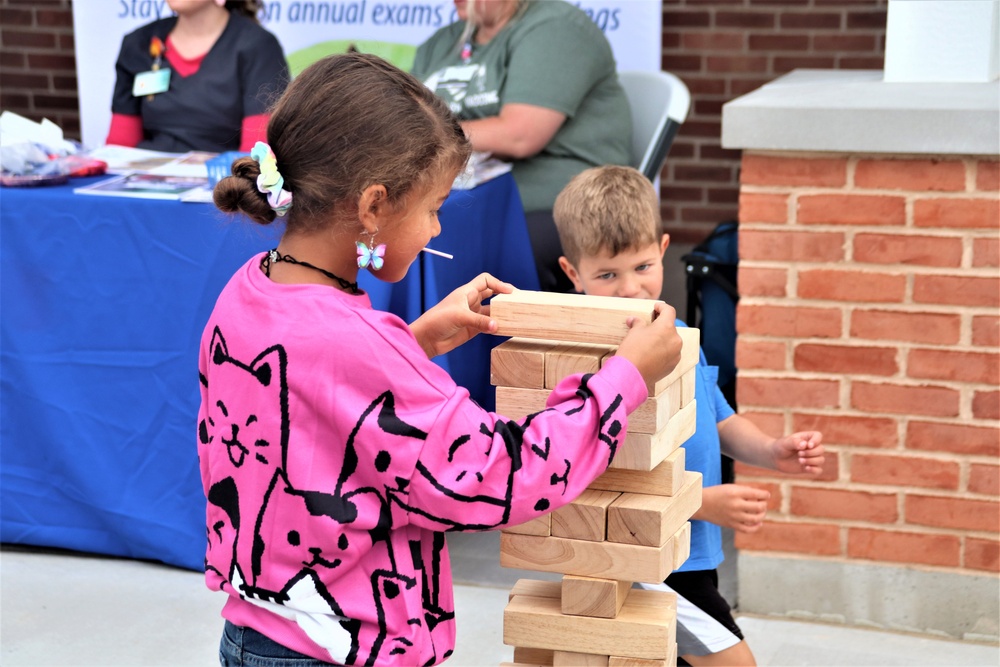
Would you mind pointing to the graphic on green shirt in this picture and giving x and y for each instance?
(552, 56)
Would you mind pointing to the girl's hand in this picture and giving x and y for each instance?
(741, 508)
(799, 453)
(655, 348)
(459, 316)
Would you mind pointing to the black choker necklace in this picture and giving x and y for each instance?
(275, 256)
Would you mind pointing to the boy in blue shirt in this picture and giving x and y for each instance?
(608, 220)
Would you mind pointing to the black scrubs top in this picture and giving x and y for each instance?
(242, 75)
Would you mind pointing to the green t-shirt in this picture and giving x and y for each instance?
(551, 56)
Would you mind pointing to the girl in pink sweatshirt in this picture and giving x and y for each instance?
(334, 454)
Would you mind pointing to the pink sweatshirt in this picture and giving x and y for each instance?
(334, 455)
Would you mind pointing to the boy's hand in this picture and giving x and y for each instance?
(459, 316)
(741, 508)
(799, 453)
(655, 348)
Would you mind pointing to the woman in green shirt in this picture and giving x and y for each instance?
(535, 83)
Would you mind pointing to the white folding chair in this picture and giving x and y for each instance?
(660, 103)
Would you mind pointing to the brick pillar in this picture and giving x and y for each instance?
(869, 310)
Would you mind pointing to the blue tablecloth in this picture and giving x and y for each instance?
(103, 301)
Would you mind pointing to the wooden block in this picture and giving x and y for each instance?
(546, 588)
(533, 656)
(665, 479)
(573, 659)
(652, 415)
(518, 362)
(571, 317)
(680, 428)
(585, 518)
(640, 451)
(621, 661)
(645, 627)
(690, 354)
(588, 596)
(538, 588)
(606, 560)
(538, 526)
(688, 386)
(525, 664)
(636, 518)
(682, 544)
(570, 358)
(636, 451)
(517, 403)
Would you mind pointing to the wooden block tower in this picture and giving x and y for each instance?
(630, 525)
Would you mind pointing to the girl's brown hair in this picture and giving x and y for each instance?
(347, 122)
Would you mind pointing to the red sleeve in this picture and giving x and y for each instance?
(254, 129)
(125, 130)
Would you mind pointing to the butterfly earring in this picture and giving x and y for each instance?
(371, 255)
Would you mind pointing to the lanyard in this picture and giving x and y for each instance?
(156, 49)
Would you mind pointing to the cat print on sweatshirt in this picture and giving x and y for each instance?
(290, 541)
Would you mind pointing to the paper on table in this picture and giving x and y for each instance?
(482, 167)
(200, 195)
(191, 165)
(125, 159)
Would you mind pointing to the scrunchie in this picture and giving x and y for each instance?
(270, 181)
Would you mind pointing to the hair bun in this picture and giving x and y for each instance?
(238, 193)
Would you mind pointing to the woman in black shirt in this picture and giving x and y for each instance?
(225, 70)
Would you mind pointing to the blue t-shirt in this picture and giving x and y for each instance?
(702, 454)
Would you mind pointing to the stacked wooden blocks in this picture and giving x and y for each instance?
(630, 525)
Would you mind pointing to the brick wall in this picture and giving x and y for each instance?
(37, 62)
(723, 49)
(720, 48)
(871, 311)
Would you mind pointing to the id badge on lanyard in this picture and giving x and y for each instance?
(156, 80)
(151, 82)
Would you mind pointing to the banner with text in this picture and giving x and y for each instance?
(308, 30)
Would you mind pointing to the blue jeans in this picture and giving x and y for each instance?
(245, 647)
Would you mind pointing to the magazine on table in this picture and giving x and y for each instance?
(145, 186)
(127, 160)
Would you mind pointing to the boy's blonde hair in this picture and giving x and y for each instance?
(608, 208)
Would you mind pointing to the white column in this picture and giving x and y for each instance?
(942, 41)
